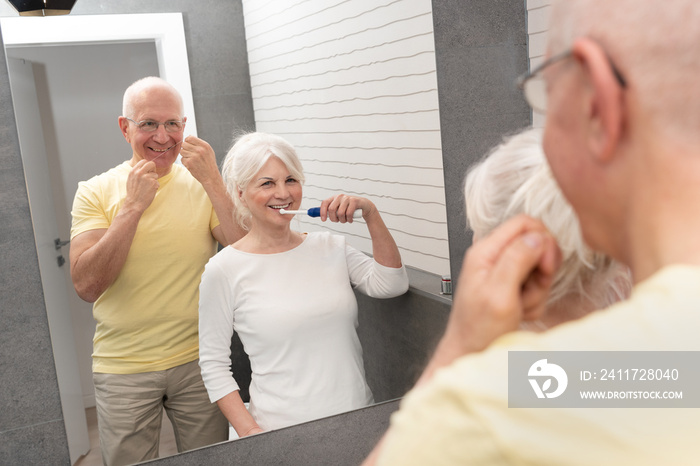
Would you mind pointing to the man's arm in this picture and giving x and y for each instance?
(199, 158)
(505, 279)
(97, 256)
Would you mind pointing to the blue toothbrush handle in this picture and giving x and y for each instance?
(316, 212)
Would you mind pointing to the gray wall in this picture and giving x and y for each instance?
(398, 337)
(480, 49)
(31, 420)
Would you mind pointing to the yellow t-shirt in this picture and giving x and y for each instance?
(147, 320)
(461, 417)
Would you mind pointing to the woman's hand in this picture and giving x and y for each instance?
(235, 411)
(253, 431)
(341, 207)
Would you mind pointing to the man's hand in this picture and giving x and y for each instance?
(141, 186)
(505, 279)
(199, 158)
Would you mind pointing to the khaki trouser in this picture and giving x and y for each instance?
(130, 413)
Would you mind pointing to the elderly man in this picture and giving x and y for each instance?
(142, 233)
(622, 136)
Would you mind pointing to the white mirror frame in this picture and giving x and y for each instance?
(166, 29)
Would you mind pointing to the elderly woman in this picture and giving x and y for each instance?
(289, 295)
(513, 179)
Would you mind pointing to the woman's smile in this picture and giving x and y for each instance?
(272, 188)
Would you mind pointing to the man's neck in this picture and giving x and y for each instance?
(662, 227)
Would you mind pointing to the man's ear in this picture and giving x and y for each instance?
(605, 100)
(124, 127)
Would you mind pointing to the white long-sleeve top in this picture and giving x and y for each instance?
(296, 315)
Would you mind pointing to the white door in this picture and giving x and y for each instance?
(36, 171)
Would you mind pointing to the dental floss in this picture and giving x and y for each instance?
(316, 212)
(163, 153)
(166, 150)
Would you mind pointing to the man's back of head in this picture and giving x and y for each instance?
(622, 129)
(653, 42)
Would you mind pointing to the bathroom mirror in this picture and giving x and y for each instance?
(136, 37)
(480, 52)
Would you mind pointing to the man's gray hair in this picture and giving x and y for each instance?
(141, 85)
(654, 44)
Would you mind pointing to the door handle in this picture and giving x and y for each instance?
(59, 244)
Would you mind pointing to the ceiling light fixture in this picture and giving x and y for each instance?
(42, 7)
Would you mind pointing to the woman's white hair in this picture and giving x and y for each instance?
(247, 156)
(513, 179)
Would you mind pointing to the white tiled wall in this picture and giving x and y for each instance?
(537, 22)
(353, 85)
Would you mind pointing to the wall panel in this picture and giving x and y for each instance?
(352, 85)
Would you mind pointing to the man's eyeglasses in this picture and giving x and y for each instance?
(149, 126)
(534, 86)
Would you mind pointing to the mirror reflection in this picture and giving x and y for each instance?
(429, 199)
(66, 95)
(289, 295)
